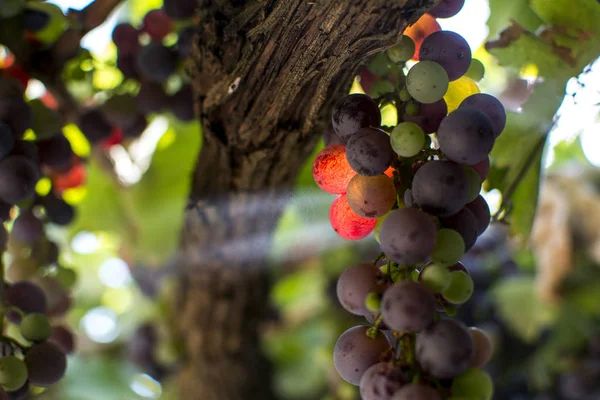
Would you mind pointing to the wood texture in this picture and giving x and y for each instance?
(265, 76)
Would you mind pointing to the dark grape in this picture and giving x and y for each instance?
(330, 137)
(429, 116)
(125, 37)
(18, 177)
(63, 338)
(26, 149)
(55, 152)
(482, 168)
(408, 306)
(180, 9)
(181, 104)
(371, 196)
(408, 236)
(137, 127)
(156, 62)
(120, 110)
(7, 140)
(127, 64)
(17, 114)
(57, 297)
(369, 152)
(408, 198)
(151, 98)
(3, 237)
(466, 136)
(447, 8)
(480, 209)
(440, 187)
(483, 349)
(27, 227)
(353, 286)
(19, 394)
(185, 41)
(448, 49)
(95, 126)
(380, 382)
(354, 112)
(46, 364)
(26, 296)
(444, 349)
(490, 106)
(355, 352)
(140, 349)
(3, 394)
(57, 210)
(157, 24)
(465, 223)
(417, 391)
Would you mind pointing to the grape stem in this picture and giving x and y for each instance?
(380, 257)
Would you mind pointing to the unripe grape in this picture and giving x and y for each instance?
(35, 327)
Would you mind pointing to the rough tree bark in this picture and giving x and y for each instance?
(265, 75)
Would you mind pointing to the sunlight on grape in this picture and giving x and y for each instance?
(459, 90)
(145, 386)
(85, 243)
(107, 78)
(35, 89)
(389, 116)
(100, 325)
(43, 186)
(75, 195)
(118, 300)
(114, 273)
(78, 141)
(470, 22)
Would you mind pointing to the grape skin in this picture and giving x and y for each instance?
(465, 223)
(417, 391)
(157, 24)
(46, 364)
(429, 116)
(355, 352)
(402, 51)
(181, 104)
(440, 187)
(55, 152)
(482, 347)
(125, 37)
(444, 349)
(354, 112)
(369, 152)
(95, 126)
(480, 209)
(408, 236)
(13, 372)
(63, 338)
(26, 296)
(331, 170)
(482, 168)
(490, 106)
(427, 82)
(380, 382)
(473, 383)
(407, 139)
(448, 49)
(460, 288)
(7, 140)
(180, 9)
(151, 98)
(408, 306)
(447, 8)
(449, 247)
(353, 286)
(27, 227)
(347, 223)
(18, 176)
(156, 62)
(371, 196)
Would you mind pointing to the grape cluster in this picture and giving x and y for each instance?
(416, 186)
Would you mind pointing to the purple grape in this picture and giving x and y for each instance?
(125, 37)
(18, 176)
(26, 296)
(444, 349)
(480, 209)
(408, 306)
(355, 352)
(127, 64)
(417, 391)
(330, 137)
(156, 62)
(55, 152)
(180, 9)
(27, 227)
(136, 127)
(447, 8)
(429, 116)
(466, 136)
(151, 98)
(408, 198)
(354, 112)
(7, 140)
(16, 113)
(465, 223)
(408, 235)
(26, 149)
(57, 210)
(46, 364)
(354, 285)
(95, 126)
(380, 382)
(440, 187)
(63, 338)
(490, 106)
(369, 152)
(181, 104)
(185, 41)
(448, 49)
(19, 394)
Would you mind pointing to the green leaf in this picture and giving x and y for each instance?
(580, 15)
(503, 11)
(519, 307)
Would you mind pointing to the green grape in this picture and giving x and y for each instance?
(35, 327)
(436, 277)
(13, 373)
(373, 302)
(427, 82)
(411, 109)
(473, 384)
(460, 288)
(67, 277)
(474, 182)
(404, 95)
(449, 247)
(403, 51)
(476, 70)
(380, 65)
(407, 139)
(378, 225)
(380, 88)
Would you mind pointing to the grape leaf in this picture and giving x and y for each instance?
(579, 15)
(503, 11)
